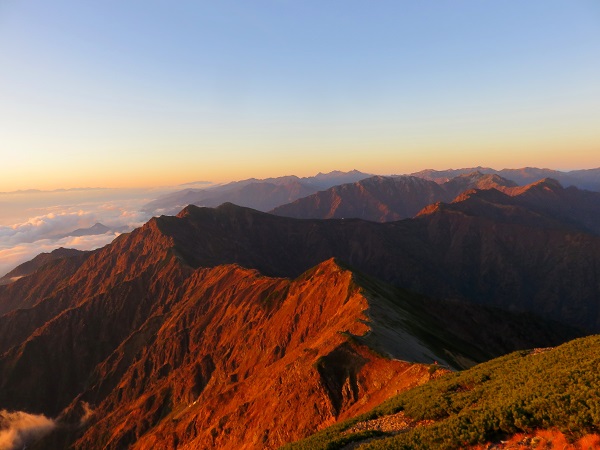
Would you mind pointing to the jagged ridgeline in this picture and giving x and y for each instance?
(546, 389)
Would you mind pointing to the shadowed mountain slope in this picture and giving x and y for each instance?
(514, 264)
(570, 205)
(544, 202)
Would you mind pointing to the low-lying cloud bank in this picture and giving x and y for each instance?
(18, 429)
(43, 233)
(13, 256)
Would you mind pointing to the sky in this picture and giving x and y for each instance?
(137, 93)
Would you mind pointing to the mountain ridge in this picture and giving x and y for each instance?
(446, 247)
(584, 179)
(384, 199)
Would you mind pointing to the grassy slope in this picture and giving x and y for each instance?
(519, 392)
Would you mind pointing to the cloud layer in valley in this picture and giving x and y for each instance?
(17, 429)
(22, 241)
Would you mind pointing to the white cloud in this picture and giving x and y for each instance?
(18, 428)
(40, 228)
(11, 257)
(45, 232)
(46, 226)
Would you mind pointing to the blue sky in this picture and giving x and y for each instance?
(131, 93)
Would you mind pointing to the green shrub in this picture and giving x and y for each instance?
(515, 393)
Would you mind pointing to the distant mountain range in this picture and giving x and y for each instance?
(384, 199)
(584, 179)
(234, 328)
(396, 200)
(262, 195)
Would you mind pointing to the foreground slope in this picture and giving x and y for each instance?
(245, 361)
(518, 393)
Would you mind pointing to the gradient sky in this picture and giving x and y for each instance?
(140, 93)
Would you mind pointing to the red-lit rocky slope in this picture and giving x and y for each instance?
(244, 361)
(22, 291)
(161, 318)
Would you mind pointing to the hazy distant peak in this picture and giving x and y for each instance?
(337, 173)
(189, 210)
(548, 183)
(489, 195)
(97, 228)
(545, 184)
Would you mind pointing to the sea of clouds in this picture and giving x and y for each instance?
(18, 429)
(45, 227)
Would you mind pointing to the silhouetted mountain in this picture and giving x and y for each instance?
(262, 195)
(97, 228)
(385, 199)
(587, 178)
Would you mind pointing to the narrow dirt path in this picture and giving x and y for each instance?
(393, 424)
